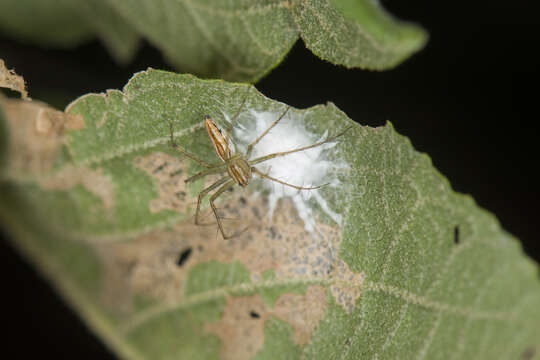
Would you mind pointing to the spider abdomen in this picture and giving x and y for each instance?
(240, 170)
(221, 144)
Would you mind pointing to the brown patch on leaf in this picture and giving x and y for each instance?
(169, 173)
(241, 334)
(241, 328)
(349, 287)
(50, 122)
(155, 265)
(281, 245)
(36, 136)
(149, 265)
(116, 293)
(9, 79)
(264, 246)
(94, 181)
(37, 133)
(303, 312)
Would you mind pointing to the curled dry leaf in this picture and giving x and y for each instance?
(9, 79)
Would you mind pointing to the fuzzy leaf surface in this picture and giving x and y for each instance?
(398, 265)
(240, 40)
(357, 33)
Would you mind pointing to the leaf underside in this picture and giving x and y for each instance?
(66, 24)
(239, 40)
(96, 199)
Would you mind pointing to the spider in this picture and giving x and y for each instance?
(239, 168)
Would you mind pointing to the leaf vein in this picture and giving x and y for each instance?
(188, 4)
(479, 296)
(124, 150)
(367, 286)
(256, 41)
(429, 340)
(410, 216)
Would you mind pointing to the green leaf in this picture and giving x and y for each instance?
(66, 24)
(385, 262)
(357, 33)
(239, 40)
(47, 22)
(278, 342)
(243, 40)
(120, 38)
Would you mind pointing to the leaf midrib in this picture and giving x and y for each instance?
(366, 286)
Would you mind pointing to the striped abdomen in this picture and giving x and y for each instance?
(221, 145)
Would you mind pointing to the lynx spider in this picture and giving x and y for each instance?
(238, 166)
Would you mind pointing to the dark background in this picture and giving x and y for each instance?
(469, 100)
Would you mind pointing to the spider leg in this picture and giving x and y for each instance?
(278, 154)
(181, 149)
(214, 222)
(203, 193)
(250, 146)
(220, 191)
(221, 217)
(229, 127)
(263, 175)
(215, 170)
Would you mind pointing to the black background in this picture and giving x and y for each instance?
(469, 100)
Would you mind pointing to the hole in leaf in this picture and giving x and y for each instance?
(184, 256)
(254, 314)
(456, 234)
